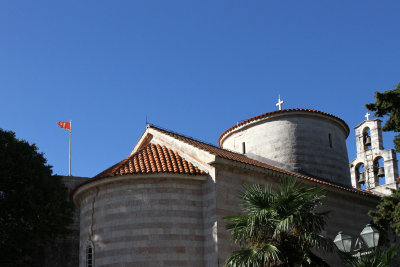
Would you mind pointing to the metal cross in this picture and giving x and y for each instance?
(280, 102)
(367, 115)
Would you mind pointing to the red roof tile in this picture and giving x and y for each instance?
(279, 112)
(226, 154)
(152, 159)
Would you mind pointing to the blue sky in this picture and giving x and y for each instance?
(195, 67)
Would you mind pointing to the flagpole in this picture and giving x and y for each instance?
(70, 133)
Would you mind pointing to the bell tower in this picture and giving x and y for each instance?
(374, 169)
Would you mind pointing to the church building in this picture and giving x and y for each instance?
(163, 204)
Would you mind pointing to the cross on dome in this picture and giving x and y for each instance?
(367, 115)
(280, 102)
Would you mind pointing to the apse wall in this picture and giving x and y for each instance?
(143, 222)
(305, 141)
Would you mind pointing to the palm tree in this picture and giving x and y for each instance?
(279, 227)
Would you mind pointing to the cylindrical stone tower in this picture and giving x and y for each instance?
(146, 210)
(306, 141)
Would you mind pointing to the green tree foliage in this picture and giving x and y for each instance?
(34, 208)
(387, 213)
(279, 227)
(376, 258)
(388, 103)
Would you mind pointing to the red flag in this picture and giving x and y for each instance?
(65, 125)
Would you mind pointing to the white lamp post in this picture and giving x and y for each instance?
(369, 234)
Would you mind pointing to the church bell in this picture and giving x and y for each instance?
(367, 140)
(381, 172)
(361, 179)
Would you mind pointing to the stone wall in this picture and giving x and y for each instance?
(348, 211)
(179, 222)
(144, 222)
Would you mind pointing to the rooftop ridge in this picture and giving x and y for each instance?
(244, 122)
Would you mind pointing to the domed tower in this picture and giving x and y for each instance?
(305, 141)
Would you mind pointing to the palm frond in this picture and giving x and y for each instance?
(258, 256)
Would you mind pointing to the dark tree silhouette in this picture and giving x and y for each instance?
(34, 208)
(388, 104)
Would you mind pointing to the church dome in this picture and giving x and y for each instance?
(306, 141)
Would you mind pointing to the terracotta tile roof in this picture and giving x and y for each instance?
(230, 155)
(279, 112)
(152, 159)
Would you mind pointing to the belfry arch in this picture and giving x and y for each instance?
(380, 166)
